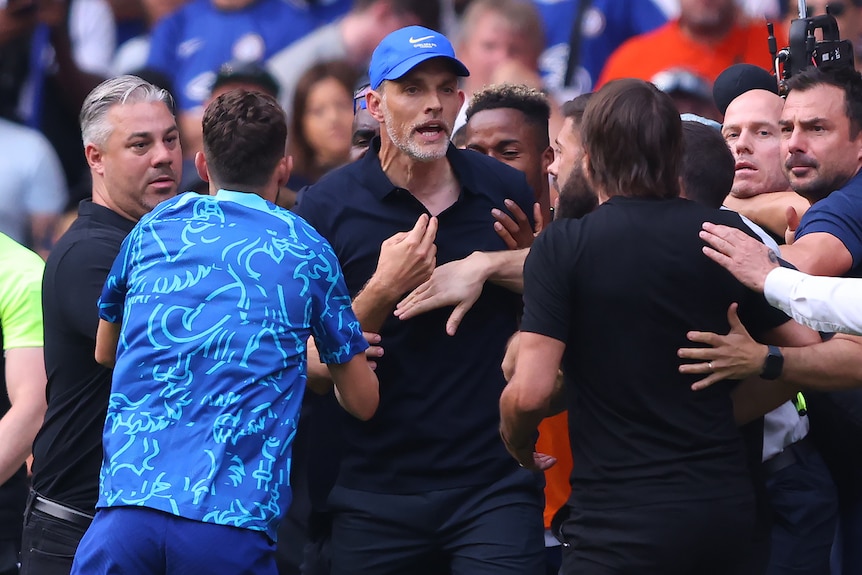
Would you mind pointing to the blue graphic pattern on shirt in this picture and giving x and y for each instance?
(217, 296)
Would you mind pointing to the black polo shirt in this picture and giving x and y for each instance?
(622, 287)
(438, 419)
(67, 453)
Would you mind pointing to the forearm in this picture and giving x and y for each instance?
(18, 429)
(518, 425)
(832, 365)
(824, 304)
(356, 387)
(505, 268)
(755, 397)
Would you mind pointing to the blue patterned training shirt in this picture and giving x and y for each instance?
(217, 296)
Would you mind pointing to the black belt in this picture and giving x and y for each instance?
(791, 455)
(60, 511)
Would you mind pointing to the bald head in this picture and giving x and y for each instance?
(752, 133)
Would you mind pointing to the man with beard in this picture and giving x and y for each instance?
(660, 483)
(425, 486)
(459, 283)
(821, 126)
(131, 143)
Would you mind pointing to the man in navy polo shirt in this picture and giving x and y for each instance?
(425, 486)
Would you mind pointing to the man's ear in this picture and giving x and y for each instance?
(201, 166)
(547, 159)
(94, 158)
(374, 103)
(285, 167)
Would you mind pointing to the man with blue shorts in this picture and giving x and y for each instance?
(207, 310)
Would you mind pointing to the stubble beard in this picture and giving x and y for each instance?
(409, 146)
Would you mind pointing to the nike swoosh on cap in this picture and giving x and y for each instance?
(416, 40)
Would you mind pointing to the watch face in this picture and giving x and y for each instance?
(774, 363)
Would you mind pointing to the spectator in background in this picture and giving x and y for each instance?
(52, 54)
(191, 44)
(706, 38)
(32, 187)
(22, 377)
(351, 39)
(132, 55)
(233, 75)
(494, 33)
(321, 125)
(692, 94)
(597, 28)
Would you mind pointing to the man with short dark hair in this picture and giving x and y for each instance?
(496, 120)
(821, 127)
(211, 300)
(660, 483)
(425, 486)
(799, 505)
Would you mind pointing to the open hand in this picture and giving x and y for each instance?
(732, 356)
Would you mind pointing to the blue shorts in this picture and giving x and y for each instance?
(144, 541)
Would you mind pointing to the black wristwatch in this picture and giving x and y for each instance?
(773, 365)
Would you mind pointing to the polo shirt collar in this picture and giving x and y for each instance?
(378, 183)
(103, 215)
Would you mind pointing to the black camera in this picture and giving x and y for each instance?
(806, 50)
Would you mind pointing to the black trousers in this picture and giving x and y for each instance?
(481, 530)
(675, 538)
(48, 544)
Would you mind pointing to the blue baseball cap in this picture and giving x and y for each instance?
(404, 49)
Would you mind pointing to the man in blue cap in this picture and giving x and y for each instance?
(426, 485)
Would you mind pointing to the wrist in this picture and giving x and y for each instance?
(483, 263)
(382, 289)
(773, 363)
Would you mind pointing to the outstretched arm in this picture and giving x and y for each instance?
(459, 283)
